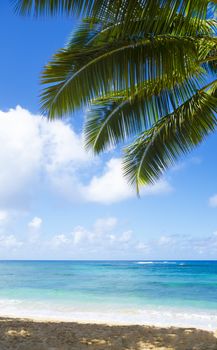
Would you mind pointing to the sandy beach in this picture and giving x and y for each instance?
(23, 334)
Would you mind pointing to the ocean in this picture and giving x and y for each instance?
(161, 293)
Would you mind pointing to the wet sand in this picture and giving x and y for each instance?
(23, 334)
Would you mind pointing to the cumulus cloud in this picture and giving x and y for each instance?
(79, 234)
(19, 154)
(103, 229)
(186, 246)
(204, 245)
(213, 201)
(143, 247)
(59, 240)
(10, 242)
(51, 155)
(167, 239)
(125, 244)
(111, 186)
(35, 150)
(104, 233)
(126, 236)
(35, 223)
(105, 239)
(34, 229)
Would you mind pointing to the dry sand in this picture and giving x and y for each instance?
(24, 334)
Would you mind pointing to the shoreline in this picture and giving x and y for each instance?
(156, 317)
(95, 321)
(25, 334)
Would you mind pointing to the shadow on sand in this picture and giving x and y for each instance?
(22, 334)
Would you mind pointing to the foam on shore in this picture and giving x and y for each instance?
(158, 316)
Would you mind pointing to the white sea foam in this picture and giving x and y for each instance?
(144, 262)
(156, 262)
(158, 316)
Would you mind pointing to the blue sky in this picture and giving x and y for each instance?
(58, 202)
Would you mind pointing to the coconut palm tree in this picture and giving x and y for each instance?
(147, 72)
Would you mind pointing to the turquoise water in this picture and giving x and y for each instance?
(169, 292)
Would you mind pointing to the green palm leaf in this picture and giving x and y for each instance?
(118, 8)
(53, 7)
(80, 76)
(116, 118)
(175, 134)
(141, 66)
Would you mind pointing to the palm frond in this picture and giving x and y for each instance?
(84, 34)
(119, 8)
(207, 54)
(145, 16)
(141, 64)
(78, 76)
(207, 48)
(177, 133)
(114, 119)
(53, 7)
(178, 25)
(211, 67)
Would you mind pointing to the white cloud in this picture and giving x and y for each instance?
(35, 223)
(60, 240)
(112, 186)
(204, 245)
(126, 236)
(143, 247)
(50, 155)
(213, 201)
(4, 215)
(104, 232)
(63, 147)
(79, 234)
(9, 241)
(106, 239)
(103, 225)
(122, 238)
(160, 187)
(185, 246)
(34, 149)
(19, 154)
(167, 240)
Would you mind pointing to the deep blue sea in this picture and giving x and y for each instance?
(182, 293)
